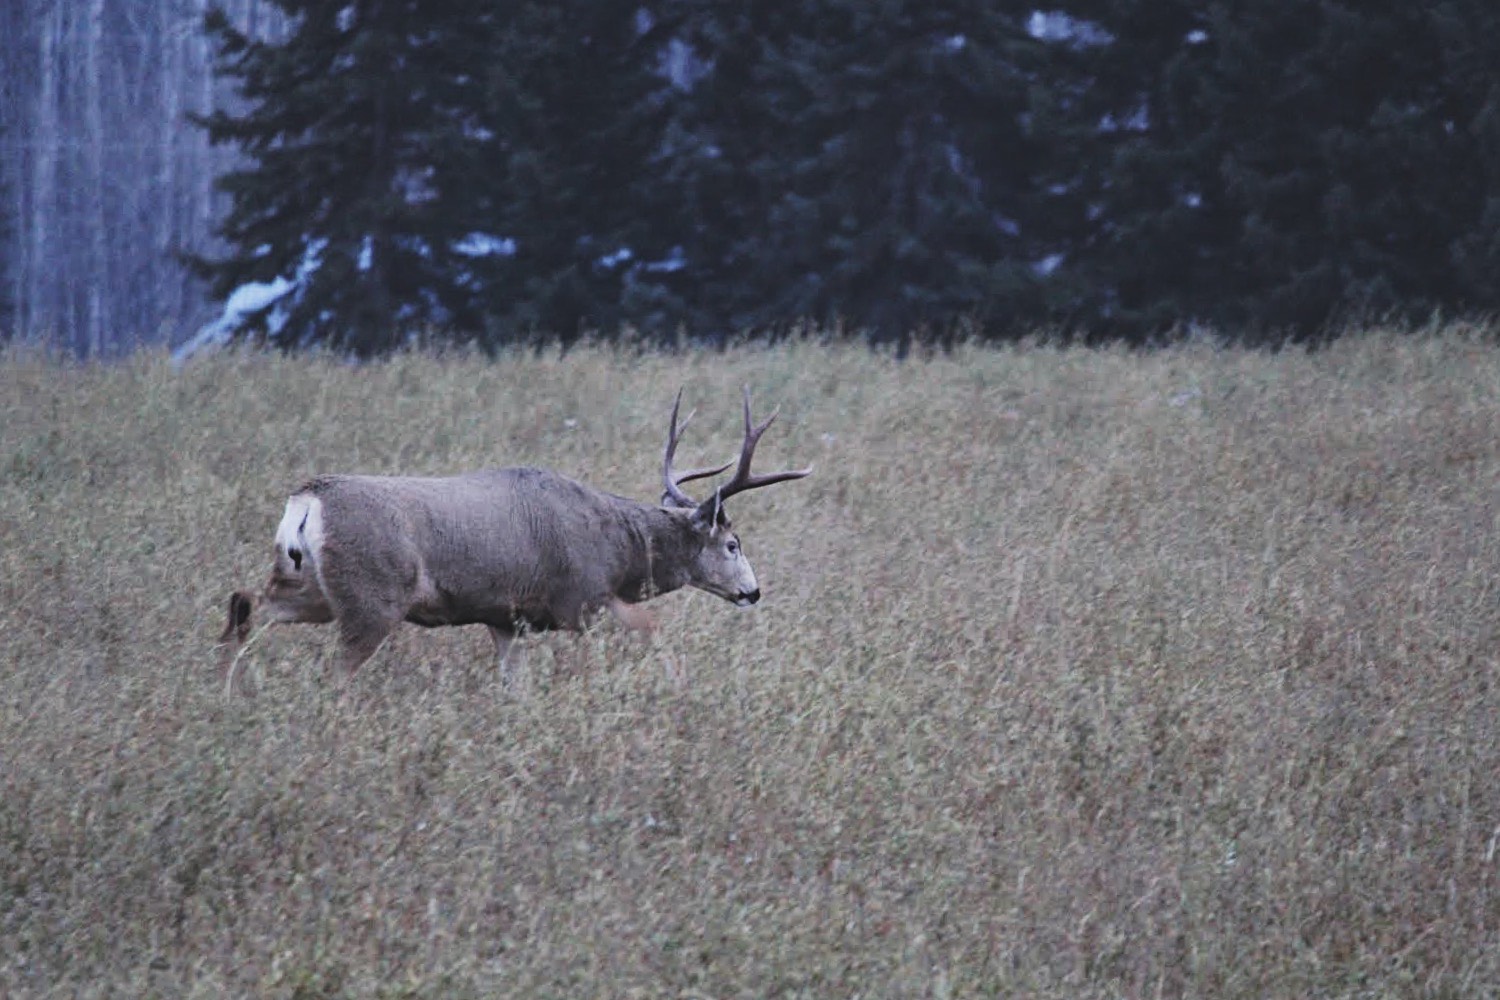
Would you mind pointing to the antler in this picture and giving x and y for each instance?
(742, 480)
(672, 482)
(739, 483)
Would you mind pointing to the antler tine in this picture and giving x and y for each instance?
(742, 479)
(672, 482)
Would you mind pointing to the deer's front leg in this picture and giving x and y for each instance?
(509, 655)
(633, 616)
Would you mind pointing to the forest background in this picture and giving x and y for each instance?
(369, 173)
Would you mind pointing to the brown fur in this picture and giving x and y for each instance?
(517, 550)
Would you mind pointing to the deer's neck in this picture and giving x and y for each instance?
(667, 545)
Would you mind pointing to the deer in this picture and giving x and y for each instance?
(516, 549)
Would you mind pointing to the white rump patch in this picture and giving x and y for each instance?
(300, 534)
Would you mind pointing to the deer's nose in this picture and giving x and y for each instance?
(748, 597)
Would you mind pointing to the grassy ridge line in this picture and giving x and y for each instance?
(1078, 674)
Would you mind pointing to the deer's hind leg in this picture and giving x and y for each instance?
(371, 586)
(277, 603)
(359, 637)
(237, 628)
(281, 601)
(232, 639)
(365, 621)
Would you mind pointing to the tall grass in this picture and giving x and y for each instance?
(1078, 674)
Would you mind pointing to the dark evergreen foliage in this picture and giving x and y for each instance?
(1273, 167)
(354, 186)
(1467, 40)
(856, 160)
(1118, 168)
(574, 98)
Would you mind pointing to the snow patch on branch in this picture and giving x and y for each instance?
(485, 245)
(1062, 27)
(1048, 264)
(244, 300)
(674, 261)
(269, 298)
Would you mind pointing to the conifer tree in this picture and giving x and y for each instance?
(855, 160)
(722, 130)
(358, 130)
(1277, 166)
(575, 101)
(1468, 45)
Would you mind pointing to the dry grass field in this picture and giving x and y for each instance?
(1078, 674)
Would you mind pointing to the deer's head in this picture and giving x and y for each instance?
(720, 566)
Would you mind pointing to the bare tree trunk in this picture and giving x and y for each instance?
(12, 165)
(107, 179)
(39, 309)
(171, 35)
(21, 247)
(95, 217)
(209, 163)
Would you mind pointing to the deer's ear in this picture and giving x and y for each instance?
(710, 513)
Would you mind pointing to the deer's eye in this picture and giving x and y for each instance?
(733, 546)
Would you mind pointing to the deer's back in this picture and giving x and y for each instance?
(495, 546)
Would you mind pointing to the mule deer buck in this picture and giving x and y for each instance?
(517, 549)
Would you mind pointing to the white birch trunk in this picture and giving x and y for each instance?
(39, 309)
(107, 178)
(209, 164)
(96, 271)
(172, 32)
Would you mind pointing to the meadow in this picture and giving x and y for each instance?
(1079, 673)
